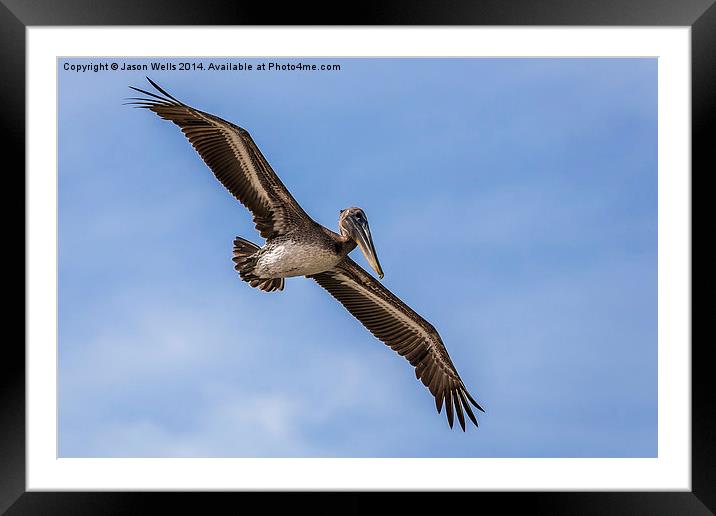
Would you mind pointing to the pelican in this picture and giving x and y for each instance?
(296, 245)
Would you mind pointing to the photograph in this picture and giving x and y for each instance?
(357, 257)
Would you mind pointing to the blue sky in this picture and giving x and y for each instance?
(513, 204)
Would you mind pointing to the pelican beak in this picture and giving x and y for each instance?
(365, 241)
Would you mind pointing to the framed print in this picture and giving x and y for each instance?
(528, 257)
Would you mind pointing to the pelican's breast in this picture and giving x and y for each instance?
(285, 258)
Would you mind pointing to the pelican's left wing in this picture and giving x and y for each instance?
(398, 326)
(235, 159)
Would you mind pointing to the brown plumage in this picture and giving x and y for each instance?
(408, 334)
(296, 245)
(236, 161)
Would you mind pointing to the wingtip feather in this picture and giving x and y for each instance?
(458, 410)
(466, 405)
(449, 408)
(472, 400)
(161, 90)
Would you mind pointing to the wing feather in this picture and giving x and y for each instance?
(398, 326)
(235, 159)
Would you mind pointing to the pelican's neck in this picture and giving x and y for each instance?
(346, 244)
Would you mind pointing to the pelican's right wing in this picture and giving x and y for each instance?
(236, 161)
(398, 326)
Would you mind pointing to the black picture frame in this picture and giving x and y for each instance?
(16, 15)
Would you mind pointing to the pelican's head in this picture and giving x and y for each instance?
(354, 224)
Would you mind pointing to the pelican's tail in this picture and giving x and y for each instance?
(244, 260)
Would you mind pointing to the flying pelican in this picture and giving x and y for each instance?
(296, 245)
